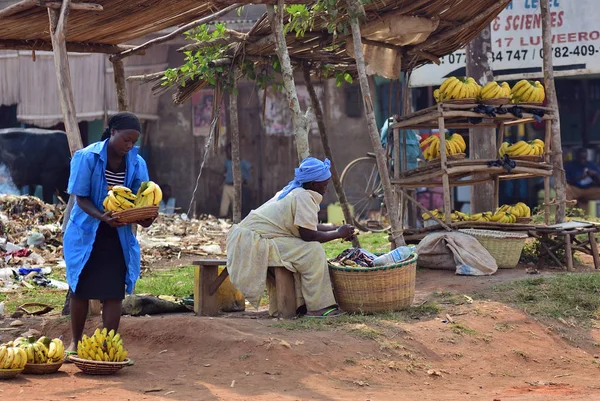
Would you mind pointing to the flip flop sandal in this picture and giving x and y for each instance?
(329, 313)
(131, 363)
(67, 354)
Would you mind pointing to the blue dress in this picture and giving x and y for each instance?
(101, 257)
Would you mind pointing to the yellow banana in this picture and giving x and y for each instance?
(519, 85)
(503, 148)
(8, 358)
(436, 95)
(157, 195)
(16, 362)
(517, 149)
(446, 83)
(460, 140)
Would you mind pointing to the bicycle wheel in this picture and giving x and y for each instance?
(362, 185)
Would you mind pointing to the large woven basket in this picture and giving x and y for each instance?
(42, 368)
(505, 247)
(6, 374)
(374, 289)
(136, 214)
(98, 367)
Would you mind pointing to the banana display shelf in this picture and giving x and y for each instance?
(448, 172)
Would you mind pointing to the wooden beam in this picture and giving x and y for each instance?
(175, 33)
(234, 37)
(17, 8)
(120, 84)
(147, 77)
(236, 169)
(73, 47)
(248, 2)
(335, 177)
(446, 35)
(74, 6)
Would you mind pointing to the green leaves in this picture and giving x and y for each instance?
(341, 77)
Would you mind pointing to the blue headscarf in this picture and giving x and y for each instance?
(310, 170)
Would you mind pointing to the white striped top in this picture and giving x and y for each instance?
(114, 178)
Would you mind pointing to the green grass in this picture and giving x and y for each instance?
(178, 282)
(52, 298)
(574, 295)
(373, 242)
(462, 329)
(427, 311)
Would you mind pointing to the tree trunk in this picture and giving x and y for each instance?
(235, 151)
(560, 182)
(299, 120)
(335, 178)
(482, 141)
(119, 76)
(396, 236)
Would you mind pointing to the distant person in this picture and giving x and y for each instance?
(227, 198)
(167, 204)
(583, 179)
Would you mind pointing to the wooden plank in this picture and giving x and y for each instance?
(569, 252)
(444, 166)
(17, 8)
(204, 303)
(214, 262)
(73, 6)
(214, 286)
(72, 47)
(286, 292)
(594, 246)
(431, 116)
(121, 86)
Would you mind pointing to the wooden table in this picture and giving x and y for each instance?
(207, 281)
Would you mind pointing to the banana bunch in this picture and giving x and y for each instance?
(12, 357)
(119, 198)
(519, 210)
(38, 352)
(528, 92)
(457, 88)
(149, 194)
(434, 212)
(459, 216)
(102, 346)
(492, 90)
(522, 148)
(485, 216)
(455, 144)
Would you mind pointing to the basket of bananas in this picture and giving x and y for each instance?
(12, 360)
(455, 147)
(44, 355)
(457, 90)
(527, 92)
(101, 354)
(495, 94)
(529, 151)
(131, 208)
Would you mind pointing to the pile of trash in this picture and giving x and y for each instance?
(170, 237)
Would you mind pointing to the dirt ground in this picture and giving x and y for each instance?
(490, 352)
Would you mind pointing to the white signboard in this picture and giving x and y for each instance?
(517, 43)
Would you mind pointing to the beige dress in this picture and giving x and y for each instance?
(269, 236)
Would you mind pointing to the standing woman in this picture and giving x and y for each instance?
(103, 255)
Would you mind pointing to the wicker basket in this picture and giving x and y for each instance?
(496, 101)
(505, 247)
(468, 100)
(455, 156)
(98, 367)
(374, 289)
(524, 220)
(42, 368)
(534, 158)
(6, 374)
(136, 214)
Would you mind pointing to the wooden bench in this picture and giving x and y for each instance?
(207, 281)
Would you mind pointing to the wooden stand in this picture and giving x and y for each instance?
(572, 236)
(207, 281)
(450, 173)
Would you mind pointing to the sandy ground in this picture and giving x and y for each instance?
(493, 353)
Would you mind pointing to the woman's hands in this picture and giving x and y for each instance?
(346, 231)
(148, 222)
(112, 221)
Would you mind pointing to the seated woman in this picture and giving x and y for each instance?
(285, 232)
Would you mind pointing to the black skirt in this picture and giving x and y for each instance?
(103, 276)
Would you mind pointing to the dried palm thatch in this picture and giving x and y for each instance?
(120, 21)
(454, 24)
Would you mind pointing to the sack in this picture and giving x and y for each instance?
(470, 257)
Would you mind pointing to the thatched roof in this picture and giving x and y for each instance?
(119, 22)
(454, 23)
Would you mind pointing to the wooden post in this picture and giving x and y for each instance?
(594, 249)
(569, 252)
(482, 141)
(397, 237)
(299, 120)
(444, 167)
(560, 181)
(286, 293)
(204, 303)
(235, 149)
(548, 159)
(120, 84)
(335, 177)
